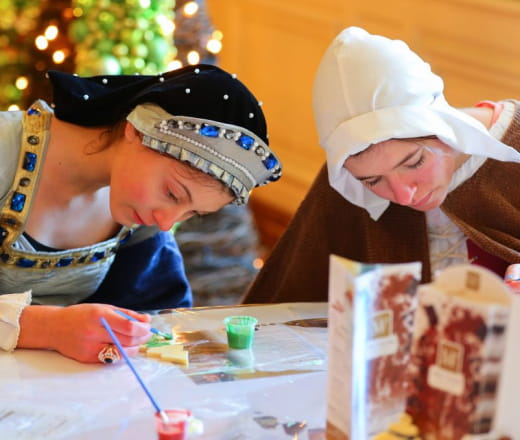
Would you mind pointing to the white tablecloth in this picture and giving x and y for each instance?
(263, 395)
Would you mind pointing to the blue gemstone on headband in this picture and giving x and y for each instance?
(29, 161)
(97, 256)
(33, 111)
(209, 130)
(3, 235)
(64, 262)
(18, 202)
(25, 262)
(246, 142)
(270, 162)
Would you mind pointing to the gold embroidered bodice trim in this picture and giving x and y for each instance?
(14, 213)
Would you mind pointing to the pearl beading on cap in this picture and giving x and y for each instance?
(252, 165)
(167, 125)
(212, 130)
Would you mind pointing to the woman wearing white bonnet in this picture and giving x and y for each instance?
(413, 179)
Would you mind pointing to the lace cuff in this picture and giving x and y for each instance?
(11, 307)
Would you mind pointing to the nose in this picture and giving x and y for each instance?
(402, 189)
(165, 218)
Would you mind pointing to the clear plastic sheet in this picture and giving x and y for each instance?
(276, 390)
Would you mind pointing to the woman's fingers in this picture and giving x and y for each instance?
(142, 317)
(132, 332)
(81, 336)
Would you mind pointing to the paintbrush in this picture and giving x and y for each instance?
(153, 330)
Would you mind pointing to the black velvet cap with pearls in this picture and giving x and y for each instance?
(221, 106)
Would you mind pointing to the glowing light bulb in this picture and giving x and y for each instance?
(193, 57)
(13, 108)
(258, 263)
(21, 83)
(214, 46)
(58, 57)
(77, 12)
(41, 42)
(174, 65)
(190, 8)
(51, 32)
(167, 26)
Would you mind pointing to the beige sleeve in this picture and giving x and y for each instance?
(11, 307)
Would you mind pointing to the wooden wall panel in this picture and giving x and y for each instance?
(275, 47)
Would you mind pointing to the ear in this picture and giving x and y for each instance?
(131, 134)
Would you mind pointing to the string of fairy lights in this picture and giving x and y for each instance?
(94, 37)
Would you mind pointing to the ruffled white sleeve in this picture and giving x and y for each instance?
(11, 307)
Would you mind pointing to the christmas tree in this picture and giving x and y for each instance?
(94, 37)
(18, 19)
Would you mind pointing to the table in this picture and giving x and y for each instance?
(276, 391)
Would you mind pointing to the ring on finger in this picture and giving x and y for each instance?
(108, 354)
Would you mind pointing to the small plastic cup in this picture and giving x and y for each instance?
(240, 331)
(176, 428)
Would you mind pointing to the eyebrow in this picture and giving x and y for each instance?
(403, 161)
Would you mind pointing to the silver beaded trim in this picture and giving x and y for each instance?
(163, 127)
(231, 154)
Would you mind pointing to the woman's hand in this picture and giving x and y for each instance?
(76, 331)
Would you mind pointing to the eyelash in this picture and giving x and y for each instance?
(371, 183)
(412, 166)
(418, 163)
(172, 196)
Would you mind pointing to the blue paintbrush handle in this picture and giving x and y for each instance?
(130, 364)
(153, 330)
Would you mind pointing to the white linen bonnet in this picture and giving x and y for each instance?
(368, 89)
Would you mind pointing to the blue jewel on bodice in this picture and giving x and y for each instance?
(97, 256)
(64, 262)
(29, 162)
(25, 262)
(18, 202)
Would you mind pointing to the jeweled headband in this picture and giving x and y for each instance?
(233, 155)
(199, 114)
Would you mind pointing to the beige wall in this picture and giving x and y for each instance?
(275, 46)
